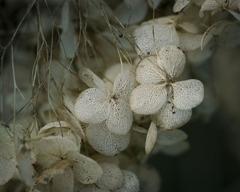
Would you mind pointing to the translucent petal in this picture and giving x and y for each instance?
(187, 94)
(209, 5)
(151, 138)
(112, 177)
(92, 188)
(106, 142)
(52, 149)
(189, 42)
(54, 169)
(120, 118)
(85, 170)
(170, 117)
(148, 99)
(189, 27)
(131, 182)
(234, 14)
(7, 149)
(180, 5)
(25, 167)
(164, 34)
(154, 3)
(172, 60)
(148, 72)
(63, 182)
(131, 12)
(171, 137)
(91, 79)
(124, 84)
(176, 149)
(92, 106)
(7, 169)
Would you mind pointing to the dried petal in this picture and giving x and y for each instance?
(189, 27)
(63, 182)
(148, 99)
(120, 118)
(91, 79)
(164, 34)
(124, 84)
(189, 42)
(180, 5)
(92, 106)
(151, 138)
(112, 177)
(187, 94)
(131, 182)
(148, 71)
(85, 170)
(52, 149)
(170, 117)
(106, 142)
(7, 169)
(54, 169)
(171, 137)
(209, 5)
(172, 60)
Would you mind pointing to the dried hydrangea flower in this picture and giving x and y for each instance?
(159, 94)
(98, 104)
(53, 149)
(180, 5)
(157, 83)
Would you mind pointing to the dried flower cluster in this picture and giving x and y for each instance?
(105, 83)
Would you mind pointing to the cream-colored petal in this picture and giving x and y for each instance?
(187, 94)
(92, 106)
(85, 169)
(112, 177)
(7, 169)
(131, 182)
(148, 72)
(189, 42)
(63, 182)
(91, 79)
(148, 99)
(151, 138)
(180, 5)
(170, 117)
(106, 142)
(172, 60)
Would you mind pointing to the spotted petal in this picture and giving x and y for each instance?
(148, 99)
(187, 94)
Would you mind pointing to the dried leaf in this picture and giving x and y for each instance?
(171, 137)
(85, 170)
(106, 142)
(170, 117)
(120, 118)
(92, 106)
(180, 5)
(148, 99)
(148, 72)
(112, 177)
(172, 60)
(187, 94)
(151, 138)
